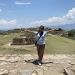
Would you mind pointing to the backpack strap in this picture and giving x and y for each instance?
(38, 38)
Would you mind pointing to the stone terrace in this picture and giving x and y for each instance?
(23, 65)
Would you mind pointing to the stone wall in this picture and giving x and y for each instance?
(23, 41)
(26, 39)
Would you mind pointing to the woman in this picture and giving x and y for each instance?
(40, 43)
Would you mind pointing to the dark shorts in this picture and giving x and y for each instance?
(40, 50)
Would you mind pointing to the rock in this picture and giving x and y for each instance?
(14, 55)
(73, 68)
(3, 72)
(38, 71)
(73, 55)
(47, 57)
(53, 65)
(2, 58)
(61, 56)
(68, 71)
(13, 59)
(1, 55)
(13, 72)
(48, 64)
(68, 61)
(28, 57)
(44, 68)
(54, 70)
(8, 55)
(3, 63)
(72, 62)
(26, 72)
(32, 72)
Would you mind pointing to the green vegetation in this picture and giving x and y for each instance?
(5, 40)
(71, 33)
(54, 45)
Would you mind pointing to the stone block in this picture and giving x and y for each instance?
(3, 72)
(31, 72)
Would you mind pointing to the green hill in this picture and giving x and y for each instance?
(56, 44)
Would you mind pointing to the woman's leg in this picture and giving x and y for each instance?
(40, 51)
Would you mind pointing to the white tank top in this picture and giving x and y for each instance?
(41, 41)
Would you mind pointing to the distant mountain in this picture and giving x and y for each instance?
(2, 30)
(66, 27)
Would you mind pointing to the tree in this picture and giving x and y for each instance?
(60, 29)
(71, 32)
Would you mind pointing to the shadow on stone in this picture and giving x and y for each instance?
(32, 61)
(35, 62)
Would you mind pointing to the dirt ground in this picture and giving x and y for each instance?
(23, 65)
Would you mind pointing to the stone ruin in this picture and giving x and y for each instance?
(57, 64)
(27, 39)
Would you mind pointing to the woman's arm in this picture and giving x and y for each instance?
(31, 31)
(46, 32)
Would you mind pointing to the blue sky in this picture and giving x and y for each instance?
(30, 13)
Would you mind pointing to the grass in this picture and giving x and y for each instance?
(54, 45)
(8, 38)
(59, 45)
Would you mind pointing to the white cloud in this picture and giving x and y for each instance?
(0, 10)
(22, 3)
(6, 22)
(12, 22)
(69, 18)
